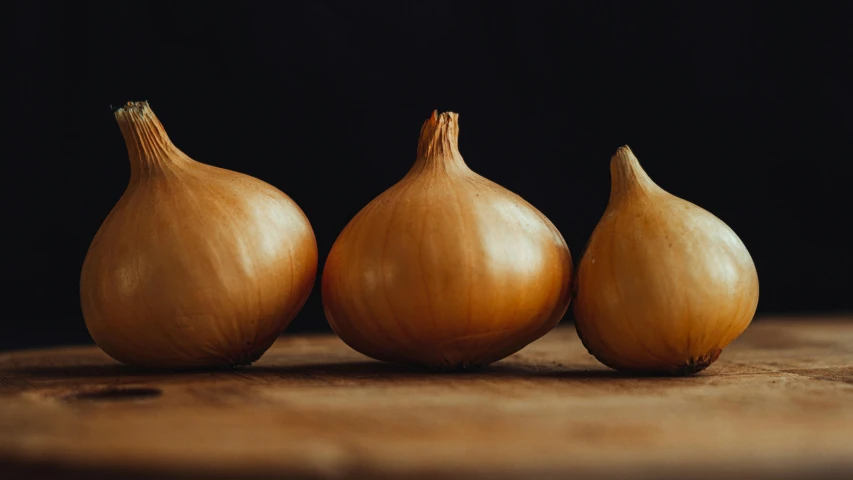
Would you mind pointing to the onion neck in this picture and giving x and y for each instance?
(438, 147)
(627, 176)
(148, 145)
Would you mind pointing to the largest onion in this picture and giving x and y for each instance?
(196, 266)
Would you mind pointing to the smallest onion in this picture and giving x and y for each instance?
(663, 285)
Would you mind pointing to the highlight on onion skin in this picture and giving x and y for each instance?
(446, 269)
(663, 286)
(195, 266)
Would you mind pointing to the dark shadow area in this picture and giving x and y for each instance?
(87, 371)
(115, 394)
(377, 371)
(347, 371)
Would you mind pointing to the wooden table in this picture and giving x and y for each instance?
(778, 404)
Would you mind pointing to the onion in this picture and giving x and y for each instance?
(446, 269)
(663, 285)
(195, 265)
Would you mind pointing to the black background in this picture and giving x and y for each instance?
(743, 108)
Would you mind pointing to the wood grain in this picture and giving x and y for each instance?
(778, 404)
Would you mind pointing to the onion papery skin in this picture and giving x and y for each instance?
(446, 269)
(663, 285)
(196, 266)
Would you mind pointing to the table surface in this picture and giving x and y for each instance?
(777, 404)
